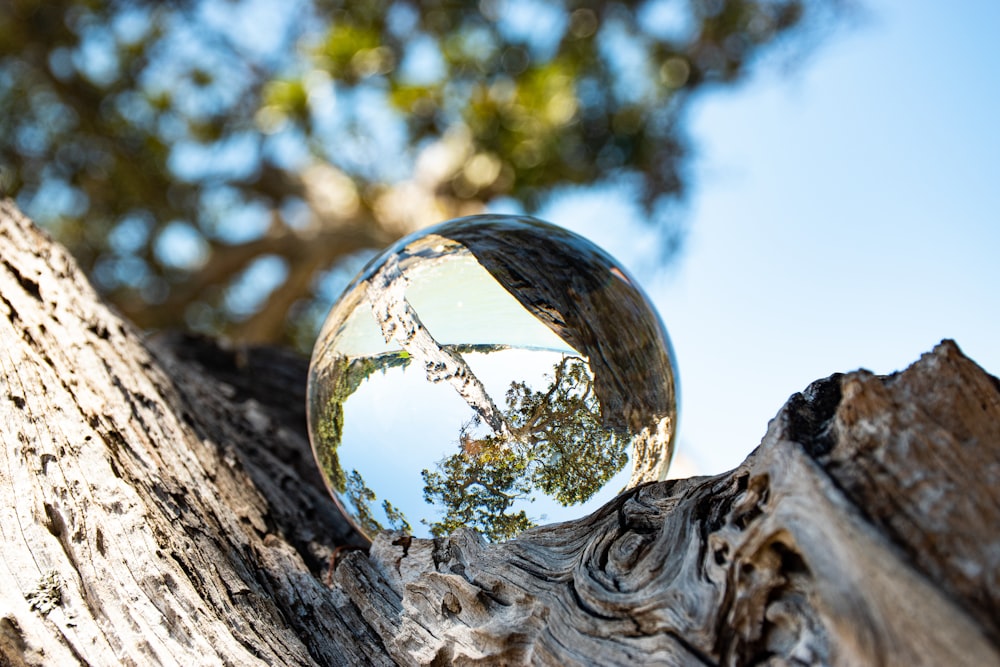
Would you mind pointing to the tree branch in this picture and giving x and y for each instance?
(158, 505)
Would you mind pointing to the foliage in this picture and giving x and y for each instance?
(209, 161)
(334, 383)
(479, 489)
(556, 446)
(574, 454)
(360, 497)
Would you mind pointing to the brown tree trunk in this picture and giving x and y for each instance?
(159, 505)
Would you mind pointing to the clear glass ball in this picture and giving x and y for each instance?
(496, 372)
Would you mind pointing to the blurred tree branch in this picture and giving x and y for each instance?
(158, 140)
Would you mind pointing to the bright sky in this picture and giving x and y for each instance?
(459, 302)
(845, 215)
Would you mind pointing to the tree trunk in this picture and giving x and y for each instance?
(160, 505)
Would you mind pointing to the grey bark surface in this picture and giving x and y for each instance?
(159, 505)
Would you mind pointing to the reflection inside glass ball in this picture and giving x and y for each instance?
(495, 372)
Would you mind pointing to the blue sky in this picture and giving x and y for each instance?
(844, 215)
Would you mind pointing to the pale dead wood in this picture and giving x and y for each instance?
(125, 486)
(159, 505)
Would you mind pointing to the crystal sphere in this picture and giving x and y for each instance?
(495, 372)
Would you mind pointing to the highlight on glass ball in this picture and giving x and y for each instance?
(495, 372)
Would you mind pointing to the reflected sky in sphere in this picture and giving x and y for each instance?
(494, 372)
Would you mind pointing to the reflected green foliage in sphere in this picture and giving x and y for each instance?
(495, 372)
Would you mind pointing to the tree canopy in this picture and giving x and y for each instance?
(556, 445)
(218, 164)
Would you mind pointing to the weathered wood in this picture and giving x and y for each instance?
(159, 505)
(772, 560)
(142, 496)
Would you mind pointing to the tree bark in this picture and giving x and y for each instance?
(159, 505)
